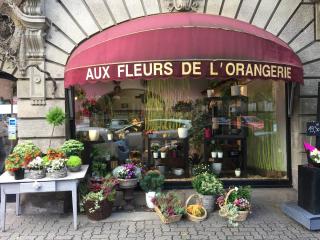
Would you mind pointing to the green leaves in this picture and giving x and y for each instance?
(55, 116)
(152, 182)
(207, 184)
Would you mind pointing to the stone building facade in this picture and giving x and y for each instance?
(38, 36)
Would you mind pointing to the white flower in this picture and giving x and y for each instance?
(315, 155)
(236, 188)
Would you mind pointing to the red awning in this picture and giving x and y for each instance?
(182, 45)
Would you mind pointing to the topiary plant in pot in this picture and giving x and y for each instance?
(151, 183)
(74, 164)
(55, 117)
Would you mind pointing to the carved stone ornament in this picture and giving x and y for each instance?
(183, 5)
(22, 32)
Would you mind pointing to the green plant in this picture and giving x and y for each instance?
(201, 168)
(95, 197)
(152, 182)
(55, 117)
(155, 147)
(74, 161)
(200, 120)
(169, 204)
(14, 162)
(207, 184)
(27, 151)
(242, 192)
(72, 147)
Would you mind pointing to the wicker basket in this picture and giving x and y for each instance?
(198, 201)
(37, 174)
(58, 173)
(167, 220)
(242, 216)
(103, 212)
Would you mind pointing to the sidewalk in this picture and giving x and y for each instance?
(266, 222)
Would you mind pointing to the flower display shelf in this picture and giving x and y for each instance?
(167, 220)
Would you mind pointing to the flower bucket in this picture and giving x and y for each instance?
(58, 173)
(149, 197)
(37, 174)
(183, 132)
(75, 169)
(237, 173)
(216, 168)
(104, 211)
(19, 174)
(128, 183)
(208, 202)
(167, 220)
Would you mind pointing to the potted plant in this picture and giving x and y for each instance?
(27, 151)
(169, 207)
(93, 135)
(57, 168)
(214, 152)
(235, 204)
(183, 132)
(217, 166)
(163, 151)
(72, 147)
(237, 172)
(208, 186)
(155, 150)
(37, 168)
(201, 168)
(74, 163)
(55, 117)
(14, 165)
(219, 152)
(127, 175)
(151, 183)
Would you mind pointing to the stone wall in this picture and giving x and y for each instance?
(73, 21)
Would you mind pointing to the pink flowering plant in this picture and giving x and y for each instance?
(127, 171)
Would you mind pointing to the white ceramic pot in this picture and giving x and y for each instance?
(237, 173)
(220, 154)
(235, 90)
(216, 168)
(109, 136)
(163, 154)
(93, 135)
(214, 154)
(210, 92)
(183, 132)
(149, 197)
(155, 155)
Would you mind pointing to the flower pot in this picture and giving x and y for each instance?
(75, 169)
(216, 168)
(93, 135)
(210, 92)
(104, 210)
(149, 197)
(208, 202)
(162, 169)
(163, 154)
(19, 174)
(235, 90)
(242, 216)
(214, 154)
(220, 154)
(37, 174)
(128, 183)
(183, 132)
(237, 173)
(155, 155)
(58, 173)
(109, 136)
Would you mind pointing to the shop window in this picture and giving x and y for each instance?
(244, 120)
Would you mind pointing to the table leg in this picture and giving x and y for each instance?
(3, 210)
(18, 204)
(74, 206)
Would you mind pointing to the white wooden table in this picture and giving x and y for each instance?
(11, 186)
